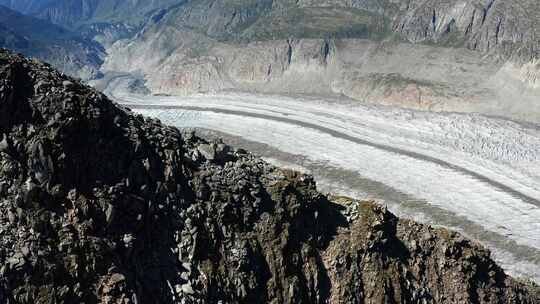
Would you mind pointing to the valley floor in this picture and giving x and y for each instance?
(472, 173)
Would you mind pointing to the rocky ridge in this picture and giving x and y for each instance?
(100, 205)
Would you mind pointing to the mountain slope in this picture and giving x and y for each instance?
(76, 13)
(460, 55)
(64, 49)
(101, 205)
(27, 6)
(509, 28)
(102, 20)
(439, 55)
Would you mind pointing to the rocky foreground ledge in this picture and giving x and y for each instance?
(99, 205)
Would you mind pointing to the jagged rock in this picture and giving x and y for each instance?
(124, 215)
(214, 151)
(187, 289)
(4, 145)
(208, 151)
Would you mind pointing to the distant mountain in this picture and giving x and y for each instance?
(28, 6)
(38, 38)
(74, 13)
(105, 21)
(457, 55)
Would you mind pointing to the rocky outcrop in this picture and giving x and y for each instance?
(396, 261)
(101, 205)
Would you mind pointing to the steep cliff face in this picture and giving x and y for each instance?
(65, 50)
(102, 205)
(508, 28)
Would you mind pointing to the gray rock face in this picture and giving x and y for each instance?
(99, 205)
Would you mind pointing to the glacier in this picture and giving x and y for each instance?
(482, 173)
